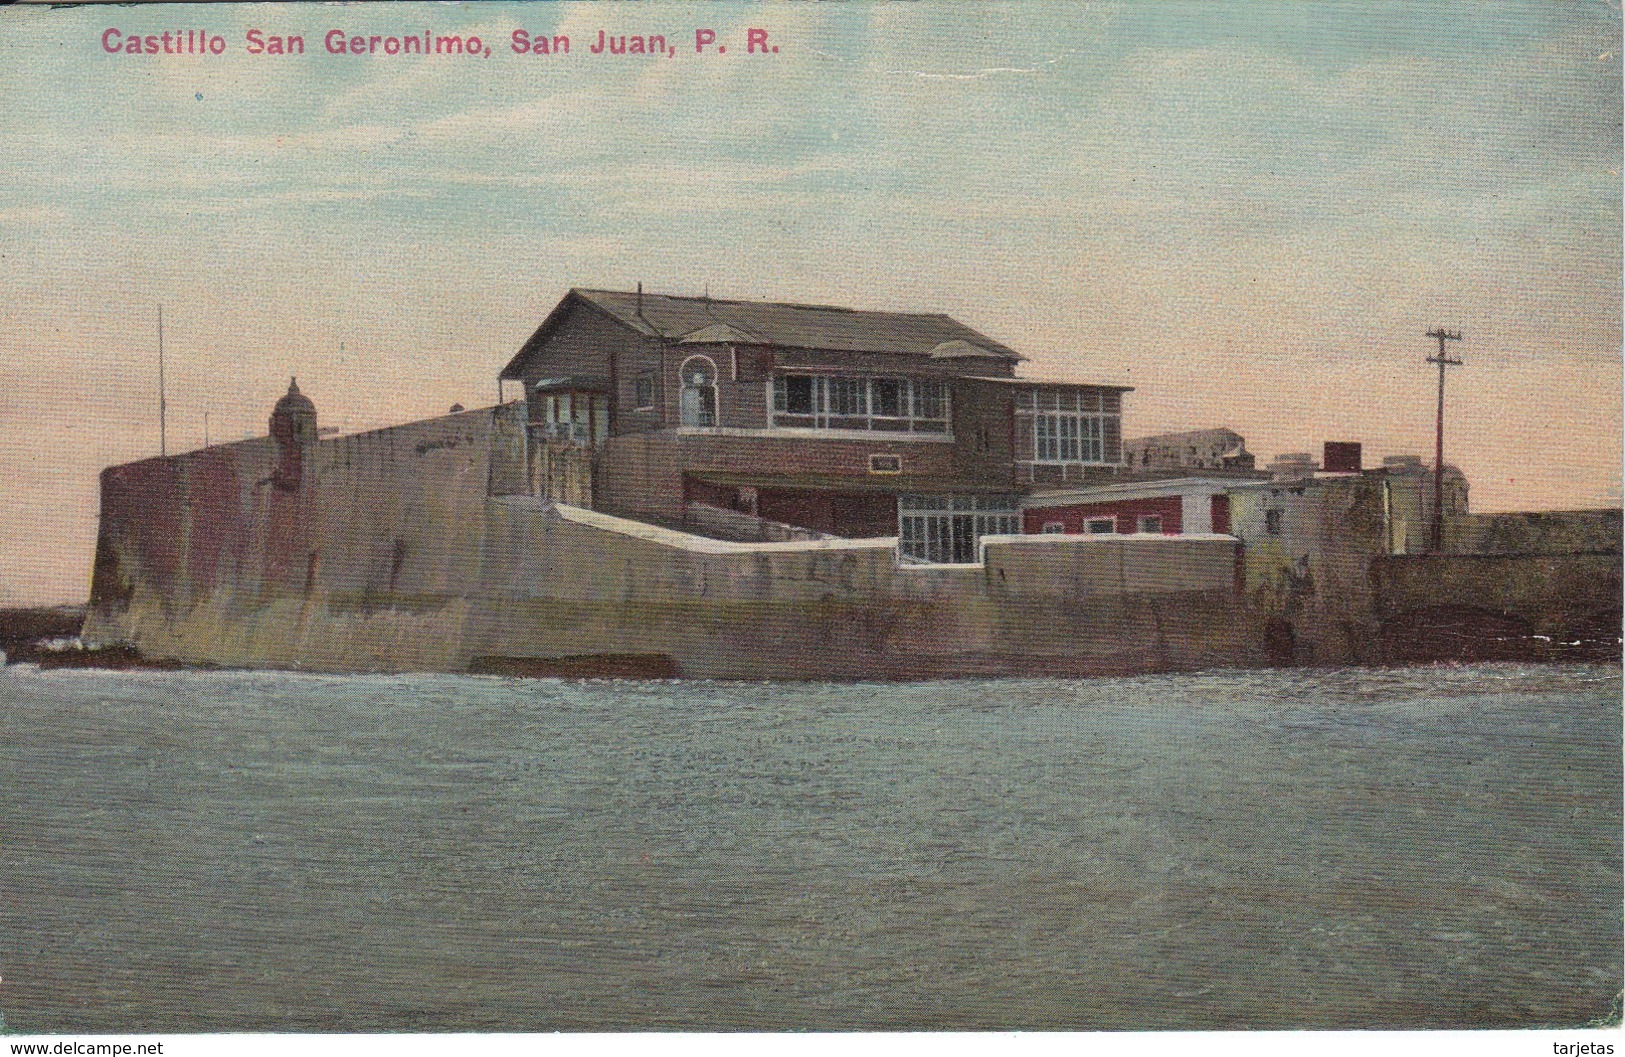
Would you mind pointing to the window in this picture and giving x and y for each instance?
(1101, 526)
(886, 397)
(1151, 523)
(948, 529)
(885, 464)
(698, 401)
(794, 395)
(1272, 522)
(1054, 528)
(848, 396)
(896, 405)
(1065, 437)
(644, 391)
(1074, 425)
(930, 400)
(577, 417)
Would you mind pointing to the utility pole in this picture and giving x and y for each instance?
(1443, 360)
(163, 412)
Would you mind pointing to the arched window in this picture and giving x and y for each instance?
(698, 402)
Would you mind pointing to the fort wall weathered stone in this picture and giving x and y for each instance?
(1540, 532)
(1306, 568)
(1325, 574)
(560, 582)
(367, 565)
(406, 549)
(1498, 606)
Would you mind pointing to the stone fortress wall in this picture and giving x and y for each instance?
(419, 548)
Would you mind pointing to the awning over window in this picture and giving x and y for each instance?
(579, 383)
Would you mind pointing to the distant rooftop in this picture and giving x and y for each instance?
(1195, 436)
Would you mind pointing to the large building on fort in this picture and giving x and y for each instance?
(838, 422)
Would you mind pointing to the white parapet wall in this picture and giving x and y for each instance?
(560, 581)
(686, 541)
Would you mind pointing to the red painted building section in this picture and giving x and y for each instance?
(1126, 515)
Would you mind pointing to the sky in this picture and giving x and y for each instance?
(1251, 212)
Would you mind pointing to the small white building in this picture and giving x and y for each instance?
(1171, 506)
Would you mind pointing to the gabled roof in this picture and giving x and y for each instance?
(698, 320)
(721, 334)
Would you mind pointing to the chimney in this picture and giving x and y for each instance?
(1341, 456)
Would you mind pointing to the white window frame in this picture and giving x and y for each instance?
(578, 416)
(948, 529)
(1052, 528)
(1093, 526)
(855, 397)
(1069, 426)
(1154, 520)
(683, 409)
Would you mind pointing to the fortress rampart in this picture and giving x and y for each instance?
(417, 548)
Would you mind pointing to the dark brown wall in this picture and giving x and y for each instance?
(1498, 606)
(744, 374)
(644, 472)
(642, 355)
(983, 426)
(582, 342)
(854, 515)
(891, 363)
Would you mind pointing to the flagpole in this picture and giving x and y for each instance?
(163, 411)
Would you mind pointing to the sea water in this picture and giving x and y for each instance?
(1426, 847)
